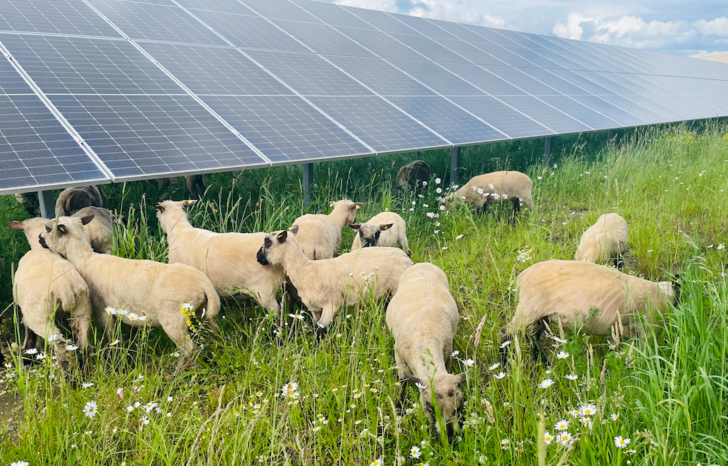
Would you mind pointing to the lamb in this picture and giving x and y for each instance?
(385, 229)
(228, 260)
(73, 199)
(494, 188)
(327, 285)
(415, 175)
(320, 235)
(99, 232)
(48, 286)
(589, 298)
(139, 292)
(604, 241)
(423, 319)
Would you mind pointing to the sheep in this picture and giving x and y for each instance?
(46, 286)
(423, 318)
(589, 298)
(385, 229)
(99, 232)
(320, 235)
(415, 175)
(228, 260)
(604, 241)
(495, 187)
(140, 292)
(195, 184)
(327, 285)
(73, 199)
(30, 203)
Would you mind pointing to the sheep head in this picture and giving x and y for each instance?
(65, 233)
(171, 212)
(447, 395)
(348, 208)
(277, 246)
(369, 232)
(32, 228)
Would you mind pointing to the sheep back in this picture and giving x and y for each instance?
(73, 199)
(605, 240)
(413, 175)
(510, 183)
(318, 237)
(397, 234)
(99, 231)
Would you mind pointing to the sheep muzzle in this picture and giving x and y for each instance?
(260, 256)
(42, 241)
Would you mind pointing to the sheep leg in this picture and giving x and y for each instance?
(327, 315)
(214, 329)
(174, 325)
(30, 338)
(405, 247)
(516, 208)
(538, 352)
(401, 373)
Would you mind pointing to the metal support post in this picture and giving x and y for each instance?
(417, 155)
(47, 206)
(454, 165)
(611, 134)
(307, 179)
(547, 151)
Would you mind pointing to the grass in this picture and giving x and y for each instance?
(670, 392)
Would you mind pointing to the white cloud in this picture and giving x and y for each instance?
(705, 53)
(716, 27)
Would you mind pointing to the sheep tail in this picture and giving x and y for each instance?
(213, 299)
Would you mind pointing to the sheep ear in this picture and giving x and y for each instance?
(160, 208)
(386, 227)
(294, 229)
(62, 229)
(355, 226)
(357, 206)
(86, 220)
(187, 204)
(331, 204)
(16, 225)
(282, 236)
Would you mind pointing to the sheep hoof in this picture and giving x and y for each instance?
(321, 333)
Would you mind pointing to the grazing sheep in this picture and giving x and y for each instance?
(48, 286)
(326, 285)
(494, 188)
(423, 319)
(320, 235)
(148, 292)
(385, 229)
(587, 297)
(604, 241)
(228, 260)
(99, 231)
(73, 199)
(195, 184)
(30, 203)
(415, 175)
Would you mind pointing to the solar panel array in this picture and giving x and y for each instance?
(95, 91)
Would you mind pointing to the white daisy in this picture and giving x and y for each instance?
(546, 383)
(91, 409)
(620, 442)
(70, 347)
(494, 366)
(561, 425)
(571, 376)
(415, 452)
(562, 355)
(87, 385)
(469, 363)
(548, 438)
(500, 375)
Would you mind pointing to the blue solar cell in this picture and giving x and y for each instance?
(533, 57)
(142, 136)
(214, 70)
(333, 15)
(503, 54)
(654, 106)
(602, 106)
(53, 16)
(35, 149)
(436, 78)
(560, 60)
(489, 35)
(380, 44)
(286, 129)
(554, 81)
(250, 31)
(469, 52)
(581, 112)
(451, 122)
(309, 74)
(425, 27)
(380, 76)
(378, 123)
(457, 30)
(637, 110)
(323, 39)
(521, 80)
(582, 82)
(697, 108)
(10, 80)
(382, 21)
(156, 22)
(430, 49)
(604, 81)
(224, 6)
(626, 83)
(69, 65)
(545, 114)
(484, 80)
(502, 117)
(279, 9)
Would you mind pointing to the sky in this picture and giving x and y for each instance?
(693, 28)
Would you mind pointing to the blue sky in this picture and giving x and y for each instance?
(692, 28)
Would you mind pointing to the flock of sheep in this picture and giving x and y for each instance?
(70, 271)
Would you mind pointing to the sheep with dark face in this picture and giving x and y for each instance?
(74, 199)
(385, 229)
(423, 318)
(99, 231)
(415, 175)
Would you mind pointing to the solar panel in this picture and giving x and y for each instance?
(582, 82)
(488, 35)
(545, 114)
(381, 44)
(502, 117)
(533, 57)
(279, 9)
(53, 16)
(380, 76)
(469, 52)
(619, 115)
(488, 82)
(521, 80)
(604, 81)
(554, 81)
(286, 129)
(381, 21)
(580, 112)
(223, 6)
(429, 49)
(436, 78)
(637, 110)
(446, 119)
(379, 124)
(333, 15)
(503, 54)
(323, 39)
(425, 27)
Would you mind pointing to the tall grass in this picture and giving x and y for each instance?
(669, 392)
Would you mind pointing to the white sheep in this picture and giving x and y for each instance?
(497, 187)
(588, 298)
(139, 292)
(228, 259)
(325, 286)
(99, 232)
(423, 318)
(73, 199)
(604, 241)
(320, 235)
(385, 229)
(48, 286)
